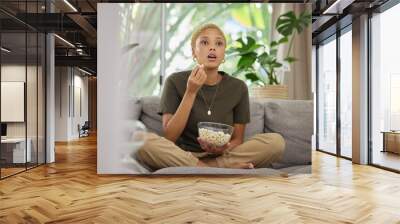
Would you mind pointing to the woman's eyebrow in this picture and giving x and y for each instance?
(206, 37)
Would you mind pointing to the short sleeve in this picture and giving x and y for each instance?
(241, 112)
(169, 99)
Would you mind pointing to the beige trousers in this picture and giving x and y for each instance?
(261, 150)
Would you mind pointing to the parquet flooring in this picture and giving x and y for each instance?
(10, 171)
(70, 191)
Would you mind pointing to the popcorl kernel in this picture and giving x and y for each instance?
(218, 138)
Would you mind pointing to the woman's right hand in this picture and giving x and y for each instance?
(196, 79)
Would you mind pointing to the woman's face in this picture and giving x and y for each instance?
(210, 48)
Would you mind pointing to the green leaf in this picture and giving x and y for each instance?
(250, 41)
(241, 42)
(273, 44)
(253, 77)
(251, 49)
(277, 64)
(247, 60)
(283, 40)
(264, 58)
(250, 44)
(288, 22)
(290, 59)
(305, 18)
(273, 52)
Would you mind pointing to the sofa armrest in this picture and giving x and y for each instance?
(134, 109)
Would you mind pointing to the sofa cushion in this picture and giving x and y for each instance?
(294, 120)
(256, 125)
(151, 106)
(152, 125)
(149, 116)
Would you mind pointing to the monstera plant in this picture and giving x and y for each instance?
(250, 52)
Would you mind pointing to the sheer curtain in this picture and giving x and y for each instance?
(141, 47)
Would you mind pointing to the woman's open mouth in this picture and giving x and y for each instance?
(212, 57)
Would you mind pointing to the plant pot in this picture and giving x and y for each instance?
(270, 91)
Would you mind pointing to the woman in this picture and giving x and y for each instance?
(206, 94)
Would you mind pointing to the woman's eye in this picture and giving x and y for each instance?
(220, 43)
(204, 42)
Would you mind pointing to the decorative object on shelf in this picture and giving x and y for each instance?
(391, 141)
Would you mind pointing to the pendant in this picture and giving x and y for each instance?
(209, 112)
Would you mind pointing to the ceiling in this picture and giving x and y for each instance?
(332, 15)
(74, 21)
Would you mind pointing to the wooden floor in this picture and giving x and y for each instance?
(10, 171)
(70, 191)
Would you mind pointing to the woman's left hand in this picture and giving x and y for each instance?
(211, 148)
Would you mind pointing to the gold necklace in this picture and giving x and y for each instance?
(212, 102)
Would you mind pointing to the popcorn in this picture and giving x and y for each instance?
(217, 138)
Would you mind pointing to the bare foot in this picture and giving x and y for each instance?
(242, 166)
(202, 164)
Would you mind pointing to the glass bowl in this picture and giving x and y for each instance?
(216, 134)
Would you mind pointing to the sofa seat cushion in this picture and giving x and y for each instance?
(293, 170)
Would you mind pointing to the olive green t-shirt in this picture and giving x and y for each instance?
(230, 106)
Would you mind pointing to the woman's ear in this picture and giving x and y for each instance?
(193, 54)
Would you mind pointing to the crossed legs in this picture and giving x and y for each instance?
(258, 151)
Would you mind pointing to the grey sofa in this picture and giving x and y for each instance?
(293, 119)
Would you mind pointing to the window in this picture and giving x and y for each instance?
(346, 94)
(22, 77)
(327, 96)
(385, 84)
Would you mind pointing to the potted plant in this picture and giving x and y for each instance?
(259, 63)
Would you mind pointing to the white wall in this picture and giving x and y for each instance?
(61, 103)
(68, 81)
